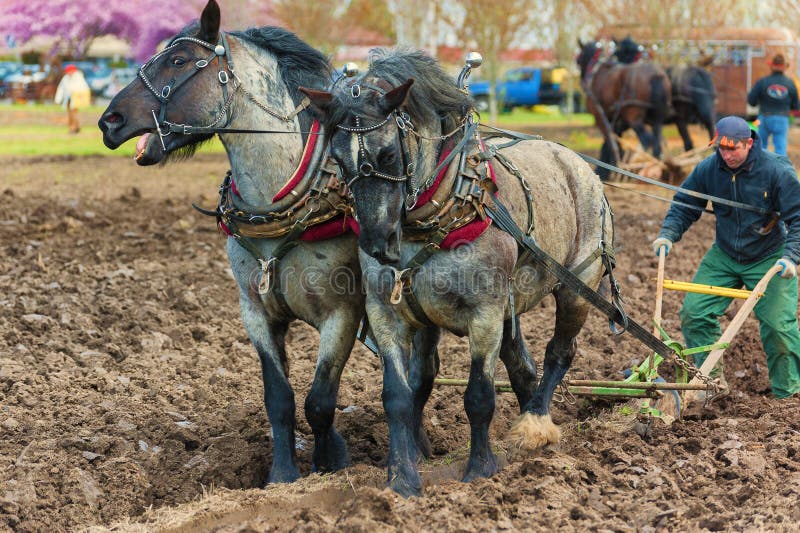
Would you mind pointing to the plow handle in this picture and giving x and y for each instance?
(662, 257)
(734, 327)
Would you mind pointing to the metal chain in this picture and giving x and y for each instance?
(225, 107)
(252, 98)
(458, 128)
(693, 372)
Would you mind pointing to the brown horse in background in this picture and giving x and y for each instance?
(694, 100)
(622, 96)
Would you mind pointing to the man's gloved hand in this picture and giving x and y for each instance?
(661, 241)
(789, 268)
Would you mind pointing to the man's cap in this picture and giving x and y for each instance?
(70, 69)
(778, 62)
(729, 131)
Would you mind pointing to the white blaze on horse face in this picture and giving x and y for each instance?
(354, 154)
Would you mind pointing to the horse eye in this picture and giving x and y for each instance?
(178, 61)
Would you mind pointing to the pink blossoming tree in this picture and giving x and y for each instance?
(142, 23)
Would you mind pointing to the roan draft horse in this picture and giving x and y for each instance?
(624, 96)
(279, 198)
(393, 130)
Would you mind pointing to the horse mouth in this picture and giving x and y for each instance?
(148, 150)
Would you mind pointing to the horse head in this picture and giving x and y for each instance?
(382, 124)
(369, 140)
(588, 55)
(183, 84)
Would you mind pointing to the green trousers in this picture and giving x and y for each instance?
(776, 312)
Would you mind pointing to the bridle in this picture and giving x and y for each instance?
(225, 74)
(220, 51)
(592, 63)
(366, 166)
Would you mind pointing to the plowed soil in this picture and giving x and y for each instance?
(130, 397)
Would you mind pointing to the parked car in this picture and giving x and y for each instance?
(7, 69)
(522, 87)
(120, 77)
(98, 77)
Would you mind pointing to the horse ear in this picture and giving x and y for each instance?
(209, 22)
(396, 97)
(580, 43)
(320, 100)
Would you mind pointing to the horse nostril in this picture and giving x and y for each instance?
(113, 120)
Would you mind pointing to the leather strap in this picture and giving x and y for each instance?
(498, 212)
(633, 175)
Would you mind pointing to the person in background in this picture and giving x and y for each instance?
(73, 93)
(747, 244)
(775, 95)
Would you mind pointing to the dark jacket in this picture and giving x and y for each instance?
(774, 94)
(765, 180)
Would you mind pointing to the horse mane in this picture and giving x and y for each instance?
(299, 64)
(434, 99)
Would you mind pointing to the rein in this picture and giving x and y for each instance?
(633, 175)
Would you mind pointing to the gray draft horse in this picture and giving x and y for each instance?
(388, 128)
(319, 282)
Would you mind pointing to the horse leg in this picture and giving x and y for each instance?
(519, 364)
(647, 139)
(534, 428)
(707, 114)
(268, 337)
(394, 338)
(485, 338)
(337, 335)
(658, 138)
(423, 367)
(606, 156)
(682, 123)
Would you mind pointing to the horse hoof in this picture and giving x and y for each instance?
(331, 454)
(481, 469)
(405, 489)
(405, 482)
(283, 476)
(331, 464)
(530, 432)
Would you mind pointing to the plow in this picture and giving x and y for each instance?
(657, 398)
